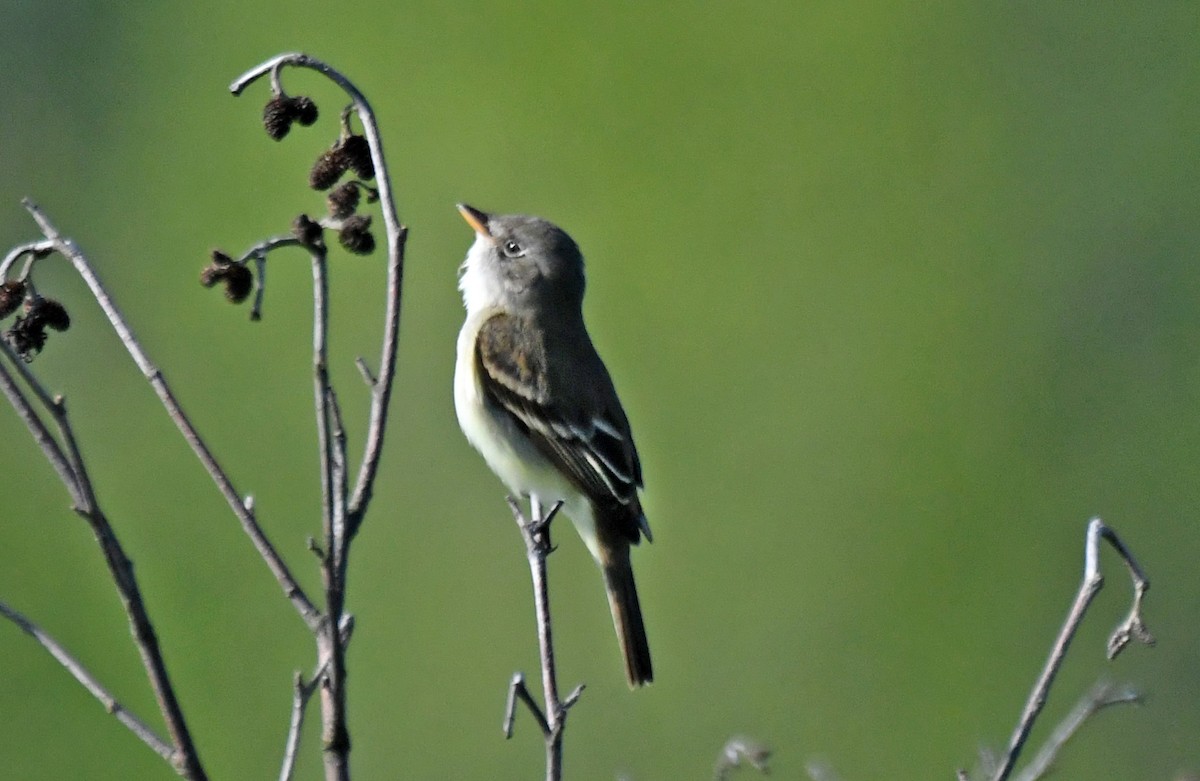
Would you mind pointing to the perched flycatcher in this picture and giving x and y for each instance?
(535, 400)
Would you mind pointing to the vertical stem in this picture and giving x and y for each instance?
(320, 398)
(335, 736)
(537, 538)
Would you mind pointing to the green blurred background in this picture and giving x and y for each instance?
(897, 297)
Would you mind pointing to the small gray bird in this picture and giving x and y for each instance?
(534, 398)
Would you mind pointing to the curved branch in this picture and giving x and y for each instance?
(30, 248)
(397, 234)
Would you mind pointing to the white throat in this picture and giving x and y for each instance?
(478, 280)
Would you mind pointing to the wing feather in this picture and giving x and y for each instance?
(589, 442)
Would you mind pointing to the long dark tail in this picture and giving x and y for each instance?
(627, 617)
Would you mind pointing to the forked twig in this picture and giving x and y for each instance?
(1132, 627)
(517, 690)
(535, 530)
(1102, 695)
(302, 692)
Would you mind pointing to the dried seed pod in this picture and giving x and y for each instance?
(277, 117)
(356, 236)
(237, 277)
(238, 283)
(328, 168)
(53, 314)
(343, 200)
(308, 231)
(27, 336)
(358, 156)
(12, 293)
(305, 110)
(280, 112)
(215, 272)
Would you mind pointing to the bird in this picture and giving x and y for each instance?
(532, 395)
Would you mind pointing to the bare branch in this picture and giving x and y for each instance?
(37, 427)
(258, 253)
(301, 693)
(343, 513)
(1133, 626)
(68, 248)
(535, 531)
(321, 396)
(333, 512)
(260, 286)
(338, 476)
(89, 682)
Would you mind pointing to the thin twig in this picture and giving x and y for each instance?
(302, 692)
(68, 248)
(75, 478)
(365, 371)
(260, 286)
(71, 470)
(517, 690)
(321, 394)
(258, 253)
(535, 530)
(1102, 695)
(338, 476)
(37, 427)
(89, 682)
(1131, 627)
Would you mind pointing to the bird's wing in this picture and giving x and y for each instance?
(583, 431)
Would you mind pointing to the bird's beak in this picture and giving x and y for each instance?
(476, 219)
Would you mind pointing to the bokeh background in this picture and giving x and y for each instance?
(897, 297)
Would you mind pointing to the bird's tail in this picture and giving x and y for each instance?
(627, 618)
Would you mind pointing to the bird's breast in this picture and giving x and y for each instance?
(506, 448)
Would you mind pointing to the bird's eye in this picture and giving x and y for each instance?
(512, 249)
